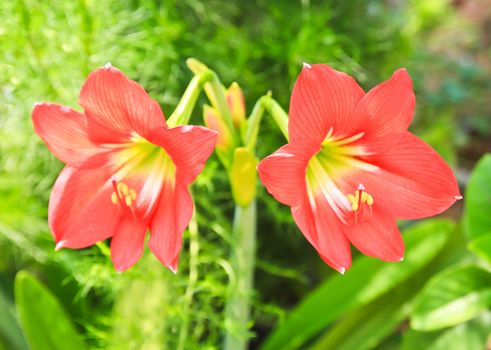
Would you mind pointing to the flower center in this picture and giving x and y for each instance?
(330, 175)
(124, 196)
(140, 170)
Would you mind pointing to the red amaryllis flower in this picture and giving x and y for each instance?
(126, 171)
(351, 167)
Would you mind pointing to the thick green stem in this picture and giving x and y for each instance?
(237, 309)
(183, 111)
(192, 280)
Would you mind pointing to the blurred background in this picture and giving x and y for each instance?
(47, 48)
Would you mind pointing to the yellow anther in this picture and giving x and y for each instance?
(123, 194)
(354, 206)
(114, 198)
(360, 197)
(123, 188)
(366, 198)
(351, 198)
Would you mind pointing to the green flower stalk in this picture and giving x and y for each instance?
(236, 150)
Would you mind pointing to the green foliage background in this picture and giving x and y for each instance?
(48, 48)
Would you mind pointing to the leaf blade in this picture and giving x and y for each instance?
(43, 320)
(451, 297)
(367, 279)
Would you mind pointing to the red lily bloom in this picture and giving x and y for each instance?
(351, 167)
(126, 171)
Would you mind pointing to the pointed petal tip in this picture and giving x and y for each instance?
(402, 73)
(342, 270)
(60, 245)
(401, 258)
(173, 269)
(108, 65)
(306, 65)
(459, 197)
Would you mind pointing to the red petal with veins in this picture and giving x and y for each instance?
(413, 182)
(320, 226)
(80, 209)
(189, 147)
(384, 113)
(283, 172)
(172, 215)
(65, 132)
(106, 147)
(377, 236)
(120, 104)
(368, 172)
(127, 243)
(322, 98)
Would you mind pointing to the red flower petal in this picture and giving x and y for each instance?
(189, 147)
(118, 103)
(413, 182)
(322, 98)
(283, 172)
(321, 228)
(384, 113)
(80, 209)
(171, 217)
(127, 243)
(377, 236)
(65, 132)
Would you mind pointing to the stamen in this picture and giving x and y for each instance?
(114, 198)
(358, 199)
(123, 195)
(123, 188)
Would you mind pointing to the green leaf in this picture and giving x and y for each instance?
(471, 335)
(10, 334)
(478, 199)
(366, 280)
(481, 246)
(451, 297)
(364, 328)
(43, 320)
